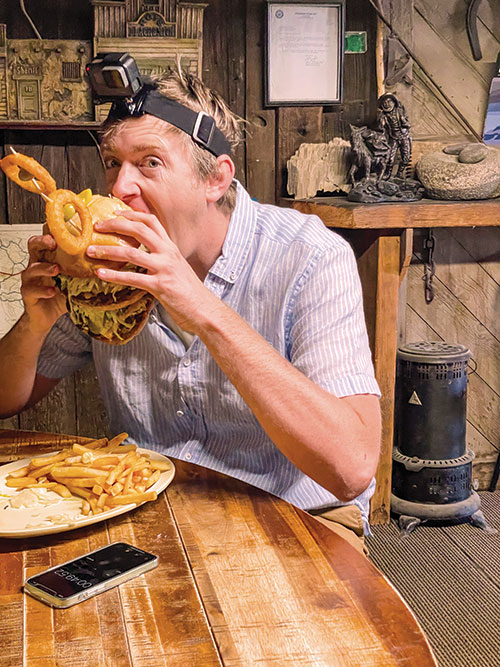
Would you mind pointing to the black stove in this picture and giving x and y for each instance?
(432, 467)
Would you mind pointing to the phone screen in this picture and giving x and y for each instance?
(92, 569)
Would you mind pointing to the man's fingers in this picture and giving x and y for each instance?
(41, 270)
(132, 278)
(37, 244)
(143, 227)
(147, 218)
(121, 254)
(40, 292)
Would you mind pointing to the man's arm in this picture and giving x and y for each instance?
(19, 351)
(335, 441)
(21, 386)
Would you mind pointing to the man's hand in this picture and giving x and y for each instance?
(169, 276)
(43, 302)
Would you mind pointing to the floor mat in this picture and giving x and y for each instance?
(450, 577)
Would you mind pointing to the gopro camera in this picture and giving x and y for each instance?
(112, 76)
(115, 77)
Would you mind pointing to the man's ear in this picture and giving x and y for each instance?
(220, 179)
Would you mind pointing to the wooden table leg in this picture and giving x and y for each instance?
(379, 269)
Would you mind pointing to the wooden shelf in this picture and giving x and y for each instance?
(340, 213)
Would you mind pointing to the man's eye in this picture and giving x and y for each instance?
(151, 162)
(111, 163)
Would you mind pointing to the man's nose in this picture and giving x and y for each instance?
(125, 184)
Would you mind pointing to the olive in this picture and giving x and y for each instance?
(69, 211)
(24, 175)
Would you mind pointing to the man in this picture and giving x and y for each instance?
(255, 361)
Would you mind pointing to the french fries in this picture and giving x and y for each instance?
(104, 473)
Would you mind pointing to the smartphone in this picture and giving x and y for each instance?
(93, 573)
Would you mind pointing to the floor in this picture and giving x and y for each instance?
(450, 578)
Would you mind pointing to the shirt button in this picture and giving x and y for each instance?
(187, 362)
(232, 275)
(188, 456)
(179, 413)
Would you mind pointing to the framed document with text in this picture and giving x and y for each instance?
(305, 47)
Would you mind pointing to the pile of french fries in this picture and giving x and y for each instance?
(104, 473)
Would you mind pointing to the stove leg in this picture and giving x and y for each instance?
(477, 519)
(407, 524)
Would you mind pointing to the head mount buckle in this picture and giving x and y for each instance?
(203, 129)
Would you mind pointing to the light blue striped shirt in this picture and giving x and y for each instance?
(292, 280)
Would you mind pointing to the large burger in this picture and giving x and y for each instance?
(106, 311)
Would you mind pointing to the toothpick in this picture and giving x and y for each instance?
(42, 194)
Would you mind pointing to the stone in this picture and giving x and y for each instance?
(473, 154)
(444, 177)
(454, 149)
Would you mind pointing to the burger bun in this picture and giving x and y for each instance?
(80, 265)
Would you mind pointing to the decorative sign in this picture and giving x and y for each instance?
(41, 80)
(13, 259)
(151, 24)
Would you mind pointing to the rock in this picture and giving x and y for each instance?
(473, 154)
(454, 149)
(444, 177)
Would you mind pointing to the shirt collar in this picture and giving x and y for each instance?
(236, 247)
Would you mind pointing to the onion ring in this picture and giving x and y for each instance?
(41, 183)
(68, 242)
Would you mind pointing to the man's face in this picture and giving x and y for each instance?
(150, 169)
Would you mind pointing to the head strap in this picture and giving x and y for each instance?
(199, 125)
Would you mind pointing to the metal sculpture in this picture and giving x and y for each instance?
(374, 153)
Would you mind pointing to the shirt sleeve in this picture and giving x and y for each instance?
(329, 342)
(65, 350)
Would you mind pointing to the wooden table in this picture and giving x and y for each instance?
(381, 235)
(243, 578)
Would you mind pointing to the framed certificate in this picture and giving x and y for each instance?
(305, 48)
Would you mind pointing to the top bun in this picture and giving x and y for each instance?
(82, 266)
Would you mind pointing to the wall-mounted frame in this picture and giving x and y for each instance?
(304, 52)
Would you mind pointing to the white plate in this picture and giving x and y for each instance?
(164, 480)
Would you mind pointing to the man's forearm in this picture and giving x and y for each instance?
(19, 350)
(333, 440)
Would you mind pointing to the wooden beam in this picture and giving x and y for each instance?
(338, 212)
(379, 273)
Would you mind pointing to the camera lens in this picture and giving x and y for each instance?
(113, 78)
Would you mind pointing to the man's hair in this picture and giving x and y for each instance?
(189, 90)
